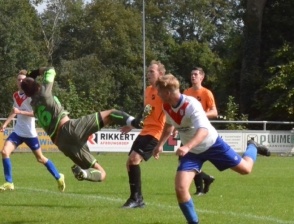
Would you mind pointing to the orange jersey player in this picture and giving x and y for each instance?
(144, 144)
(206, 98)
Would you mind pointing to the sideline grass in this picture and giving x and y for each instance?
(263, 197)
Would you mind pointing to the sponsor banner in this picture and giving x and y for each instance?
(276, 141)
(114, 141)
(111, 140)
(45, 141)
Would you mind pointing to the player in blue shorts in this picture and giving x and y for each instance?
(200, 140)
(24, 132)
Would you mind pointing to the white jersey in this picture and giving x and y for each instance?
(25, 125)
(187, 117)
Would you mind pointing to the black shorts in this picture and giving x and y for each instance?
(144, 145)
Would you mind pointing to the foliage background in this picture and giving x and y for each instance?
(97, 49)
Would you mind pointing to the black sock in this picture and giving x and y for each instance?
(135, 181)
(198, 182)
(205, 176)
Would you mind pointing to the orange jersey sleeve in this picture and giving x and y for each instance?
(204, 96)
(153, 124)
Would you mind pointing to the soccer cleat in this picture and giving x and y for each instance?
(131, 203)
(61, 183)
(7, 186)
(147, 111)
(261, 149)
(199, 193)
(78, 172)
(139, 122)
(207, 183)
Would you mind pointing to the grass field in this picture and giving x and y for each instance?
(263, 197)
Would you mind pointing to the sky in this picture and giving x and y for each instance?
(42, 7)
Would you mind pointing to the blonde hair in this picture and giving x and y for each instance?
(168, 82)
(161, 67)
(22, 72)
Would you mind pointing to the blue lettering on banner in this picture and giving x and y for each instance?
(45, 142)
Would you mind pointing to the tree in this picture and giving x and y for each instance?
(91, 86)
(20, 45)
(278, 94)
(251, 79)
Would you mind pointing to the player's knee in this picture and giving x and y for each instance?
(180, 189)
(103, 176)
(5, 154)
(245, 171)
(134, 159)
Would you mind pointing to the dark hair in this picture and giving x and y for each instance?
(30, 86)
(198, 69)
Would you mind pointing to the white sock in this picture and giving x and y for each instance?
(129, 120)
(84, 173)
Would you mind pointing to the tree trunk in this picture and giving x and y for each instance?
(250, 76)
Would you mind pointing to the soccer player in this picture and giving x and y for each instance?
(70, 135)
(206, 98)
(24, 132)
(201, 142)
(144, 144)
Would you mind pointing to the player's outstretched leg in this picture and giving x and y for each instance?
(121, 118)
(261, 149)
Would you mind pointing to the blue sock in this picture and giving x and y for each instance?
(7, 169)
(251, 151)
(52, 169)
(189, 211)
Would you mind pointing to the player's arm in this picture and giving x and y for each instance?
(8, 120)
(212, 113)
(166, 132)
(199, 136)
(23, 112)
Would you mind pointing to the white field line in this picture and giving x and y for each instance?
(162, 206)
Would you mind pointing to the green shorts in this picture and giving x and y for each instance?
(72, 139)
